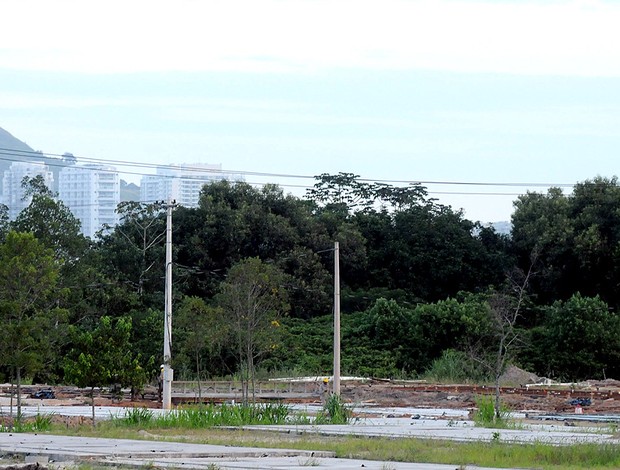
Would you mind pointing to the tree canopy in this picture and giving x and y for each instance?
(253, 272)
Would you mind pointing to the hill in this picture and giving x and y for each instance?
(14, 150)
(129, 191)
(8, 142)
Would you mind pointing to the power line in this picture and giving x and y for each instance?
(34, 154)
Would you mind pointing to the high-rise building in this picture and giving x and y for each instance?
(12, 190)
(91, 192)
(181, 183)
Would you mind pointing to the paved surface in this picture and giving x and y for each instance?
(386, 422)
(456, 431)
(63, 450)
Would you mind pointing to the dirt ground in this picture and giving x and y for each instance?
(520, 391)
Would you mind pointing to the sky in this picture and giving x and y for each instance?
(479, 101)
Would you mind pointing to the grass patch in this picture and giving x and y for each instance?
(41, 422)
(205, 416)
(455, 367)
(485, 414)
(485, 454)
(335, 411)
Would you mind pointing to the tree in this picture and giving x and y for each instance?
(235, 221)
(254, 300)
(391, 329)
(201, 332)
(453, 323)
(577, 238)
(505, 309)
(4, 221)
(347, 190)
(103, 356)
(134, 249)
(28, 277)
(580, 339)
(51, 222)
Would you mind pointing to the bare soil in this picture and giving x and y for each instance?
(601, 397)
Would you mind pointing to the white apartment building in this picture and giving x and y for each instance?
(91, 192)
(12, 190)
(181, 183)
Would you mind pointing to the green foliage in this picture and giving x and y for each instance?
(456, 367)
(203, 416)
(134, 251)
(40, 423)
(201, 332)
(346, 189)
(387, 340)
(449, 324)
(254, 301)
(51, 222)
(335, 411)
(486, 416)
(104, 356)
(577, 238)
(404, 261)
(28, 277)
(587, 331)
(140, 417)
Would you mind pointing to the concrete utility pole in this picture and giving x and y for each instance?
(167, 369)
(336, 389)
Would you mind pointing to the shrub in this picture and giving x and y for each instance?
(485, 415)
(335, 411)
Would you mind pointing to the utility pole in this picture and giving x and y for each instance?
(336, 388)
(167, 369)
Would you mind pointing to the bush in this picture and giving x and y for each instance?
(485, 415)
(335, 411)
(455, 366)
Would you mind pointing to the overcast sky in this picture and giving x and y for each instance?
(501, 92)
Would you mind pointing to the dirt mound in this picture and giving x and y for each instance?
(514, 376)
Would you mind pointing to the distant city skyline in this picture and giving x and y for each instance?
(515, 95)
(92, 191)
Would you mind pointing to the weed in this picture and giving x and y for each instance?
(455, 367)
(137, 416)
(41, 422)
(335, 411)
(310, 462)
(485, 416)
(205, 416)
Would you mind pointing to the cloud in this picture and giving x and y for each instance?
(562, 37)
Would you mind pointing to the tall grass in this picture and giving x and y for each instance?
(485, 414)
(205, 416)
(455, 367)
(335, 411)
(39, 423)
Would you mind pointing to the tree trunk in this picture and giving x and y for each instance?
(253, 379)
(92, 403)
(18, 379)
(12, 394)
(198, 373)
(499, 365)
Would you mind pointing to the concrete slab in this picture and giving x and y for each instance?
(456, 430)
(62, 450)
(383, 422)
(292, 463)
(65, 447)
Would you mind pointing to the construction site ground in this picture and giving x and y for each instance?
(595, 397)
